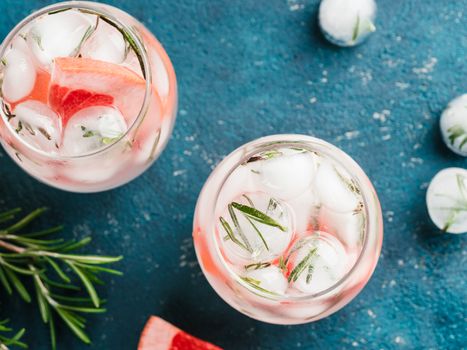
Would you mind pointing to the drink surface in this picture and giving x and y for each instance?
(291, 222)
(76, 81)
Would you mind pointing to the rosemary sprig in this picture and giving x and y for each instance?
(257, 266)
(258, 216)
(234, 218)
(350, 183)
(54, 270)
(251, 214)
(356, 29)
(302, 265)
(127, 36)
(264, 156)
(460, 206)
(15, 340)
(7, 111)
(456, 132)
(256, 284)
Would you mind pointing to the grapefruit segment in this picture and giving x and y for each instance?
(78, 83)
(161, 335)
(40, 90)
(67, 102)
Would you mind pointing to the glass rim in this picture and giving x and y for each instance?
(368, 192)
(93, 6)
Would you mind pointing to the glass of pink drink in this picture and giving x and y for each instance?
(288, 229)
(88, 96)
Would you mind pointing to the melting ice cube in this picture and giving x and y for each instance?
(269, 278)
(335, 188)
(447, 200)
(349, 227)
(347, 23)
(59, 35)
(316, 263)
(92, 128)
(256, 227)
(105, 44)
(19, 75)
(285, 173)
(38, 125)
(453, 125)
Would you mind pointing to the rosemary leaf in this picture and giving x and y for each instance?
(258, 216)
(301, 266)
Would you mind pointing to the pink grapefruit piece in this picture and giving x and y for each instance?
(79, 83)
(161, 335)
(40, 90)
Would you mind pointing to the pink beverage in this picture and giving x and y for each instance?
(288, 229)
(88, 96)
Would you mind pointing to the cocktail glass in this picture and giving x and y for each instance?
(88, 96)
(288, 229)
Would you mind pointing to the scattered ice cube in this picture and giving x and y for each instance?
(38, 125)
(447, 200)
(347, 23)
(105, 44)
(19, 75)
(348, 226)
(316, 263)
(255, 238)
(285, 173)
(59, 35)
(335, 188)
(453, 125)
(270, 278)
(91, 129)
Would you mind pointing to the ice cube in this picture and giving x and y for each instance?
(91, 129)
(306, 208)
(269, 278)
(446, 199)
(105, 44)
(59, 35)
(38, 125)
(285, 173)
(453, 125)
(347, 23)
(19, 75)
(159, 72)
(316, 263)
(264, 231)
(349, 227)
(335, 188)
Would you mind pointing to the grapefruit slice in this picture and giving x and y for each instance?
(78, 83)
(40, 90)
(161, 335)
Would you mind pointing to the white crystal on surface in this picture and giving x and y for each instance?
(59, 35)
(453, 125)
(19, 75)
(446, 200)
(287, 174)
(327, 263)
(333, 187)
(105, 44)
(92, 128)
(270, 278)
(38, 124)
(275, 242)
(347, 23)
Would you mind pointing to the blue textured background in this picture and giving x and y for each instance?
(252, 68)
